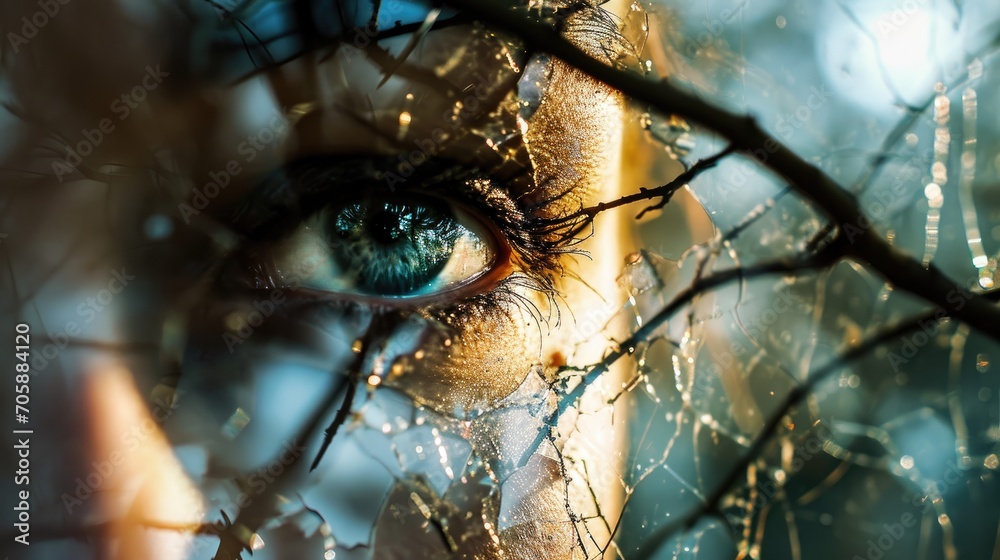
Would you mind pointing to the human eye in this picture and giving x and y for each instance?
(402, 248)
(360, 239)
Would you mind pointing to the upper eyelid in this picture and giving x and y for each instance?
(279, 203)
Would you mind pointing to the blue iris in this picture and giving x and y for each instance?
(392, 248)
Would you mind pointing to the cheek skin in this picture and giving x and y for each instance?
(588, 162)
(491, 348)
(574, 141)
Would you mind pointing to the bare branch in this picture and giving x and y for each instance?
(746, 135)
(338, 419)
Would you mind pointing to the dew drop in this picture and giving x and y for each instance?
(991, 461)
(256, 543)
(982, 363)
(975, 69)
(235, 424)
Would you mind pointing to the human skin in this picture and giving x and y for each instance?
(478, 346)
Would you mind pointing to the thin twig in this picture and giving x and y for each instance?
(254, 516)
(664, 191)
(338, 420)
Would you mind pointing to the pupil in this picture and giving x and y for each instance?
(384, 227)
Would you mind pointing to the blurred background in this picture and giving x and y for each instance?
(894, 101)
